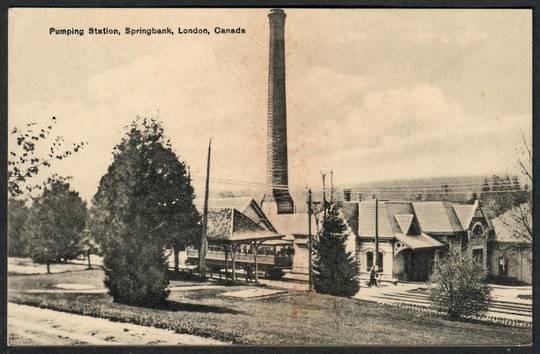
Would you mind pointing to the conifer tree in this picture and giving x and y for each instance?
(336, 271)
(141, 201)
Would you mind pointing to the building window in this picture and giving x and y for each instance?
(369, 261)
(478, 231)
(380, 263)
(478, 257)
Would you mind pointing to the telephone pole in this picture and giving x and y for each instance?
(376, 234)
(323, 175)
(331, 186)
(202, 249)
(310, 248)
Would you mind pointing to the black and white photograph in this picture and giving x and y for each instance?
(269, 177)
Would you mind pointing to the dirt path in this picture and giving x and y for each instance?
(34, 326)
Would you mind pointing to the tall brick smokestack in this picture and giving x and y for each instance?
(277, 198)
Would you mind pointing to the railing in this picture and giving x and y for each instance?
(241, 257)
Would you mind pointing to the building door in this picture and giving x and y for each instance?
(478, 257)
(419, 266)
(503, 267)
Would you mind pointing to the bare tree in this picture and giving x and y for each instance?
(518, 219)
(36, 147)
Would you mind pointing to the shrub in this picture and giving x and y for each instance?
(460, 288)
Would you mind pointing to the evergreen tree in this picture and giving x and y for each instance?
(56, 223)
(141, 201)
(335, 270)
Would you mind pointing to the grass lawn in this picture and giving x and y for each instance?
(286, 319)
(25, 266)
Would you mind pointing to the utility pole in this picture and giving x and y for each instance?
(202, 249)
(323, 175)
(376, 234)
(331, 186)
(310, 212)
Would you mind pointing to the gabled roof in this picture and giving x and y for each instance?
(230, 225)
(404, 221)
(465, 213)
(396, 208)
(507, 229)
(406, 217)
(437, 217)
(242, 204)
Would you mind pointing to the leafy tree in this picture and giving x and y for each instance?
(460, 287)
(36, 147)
(335, 270)
(89, 246)
(18, 243)
(56, 222)
(143, 199)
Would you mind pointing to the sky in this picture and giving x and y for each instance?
(374, 94)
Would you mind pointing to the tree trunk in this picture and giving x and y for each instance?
(176, 252)
(255, 247)
(88, 259)
(48, 267)
(233, 263)
(226, 262)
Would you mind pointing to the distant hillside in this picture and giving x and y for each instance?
(455, 189)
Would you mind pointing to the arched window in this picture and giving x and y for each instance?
(478, 231)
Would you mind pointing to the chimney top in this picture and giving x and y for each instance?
(347, 195)
(277, 12)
